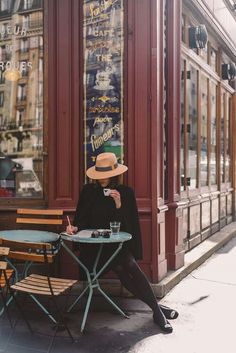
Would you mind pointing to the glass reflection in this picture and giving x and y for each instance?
(21, 98)
(204, 157)
(192, 127)
(213, 59)
(182, 187)
(103, 30)
(227, 139)
(213, 135)
(222, 142)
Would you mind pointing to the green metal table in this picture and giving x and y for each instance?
(93, 277)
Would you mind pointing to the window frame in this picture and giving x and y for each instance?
(192, 58)
(11, 203)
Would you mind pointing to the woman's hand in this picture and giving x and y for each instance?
(116, 197)
(71, 230)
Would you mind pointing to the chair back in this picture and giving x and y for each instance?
(34, 252)
(39, 216)
(27, 251)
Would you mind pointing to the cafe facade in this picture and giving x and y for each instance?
(152, 81)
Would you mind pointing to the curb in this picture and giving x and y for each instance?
(194, 258)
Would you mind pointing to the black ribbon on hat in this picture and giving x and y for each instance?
(106, 169)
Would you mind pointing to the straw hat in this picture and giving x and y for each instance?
(106, 166)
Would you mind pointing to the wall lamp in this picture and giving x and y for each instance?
(198, 37)
(228, 71)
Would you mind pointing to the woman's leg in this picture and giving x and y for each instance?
(128, 283)
(137, 283)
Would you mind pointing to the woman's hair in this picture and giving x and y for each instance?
(114, 181)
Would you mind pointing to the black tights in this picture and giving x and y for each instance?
(133, 279)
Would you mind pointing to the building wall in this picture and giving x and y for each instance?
(171, 220)
(142, 116)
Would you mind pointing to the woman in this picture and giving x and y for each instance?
(95, 210)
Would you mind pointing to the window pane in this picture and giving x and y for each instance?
(103, 78)
(183, 28)
(21, 99)
(222, 142)
(182, 124)
(227, 139)
(204, 158)
(213, 134)
(213, 59)
(204, 53)
(192, 139)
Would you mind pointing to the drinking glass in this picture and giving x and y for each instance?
(115, 228)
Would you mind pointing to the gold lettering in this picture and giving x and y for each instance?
(98, 141)
(101, 120)
(105, 137)
(94, 12)
(108, 109)
(104, 57)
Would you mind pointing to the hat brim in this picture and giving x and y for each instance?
(94, 174)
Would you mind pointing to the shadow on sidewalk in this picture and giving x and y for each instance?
(105, 331)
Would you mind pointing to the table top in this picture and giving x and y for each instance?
(84, 236)
(37, 236)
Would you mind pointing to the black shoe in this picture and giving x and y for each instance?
(163, 324)
(168, 312)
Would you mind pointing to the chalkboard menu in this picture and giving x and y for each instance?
(103, 78)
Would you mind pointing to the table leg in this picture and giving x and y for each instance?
(91, 276)
(87, 309)
(112, 303)
(93, 282)
(96, 276)
(89, 281)
(108, 261)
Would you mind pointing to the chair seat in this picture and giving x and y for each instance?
(9, 273)
(37, 284)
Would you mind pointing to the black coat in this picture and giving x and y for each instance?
(96, 211)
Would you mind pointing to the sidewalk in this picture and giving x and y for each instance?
(205, 300)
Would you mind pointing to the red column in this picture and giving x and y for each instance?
(159, 262)
(174, 241)
(143, 126)
(64, 100)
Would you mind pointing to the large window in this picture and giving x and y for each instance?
(206, 118)
(225, 137)
(213, 161)
(204, 134)
(192, 96)
(183, 125)
(21, 100)
(103, 78)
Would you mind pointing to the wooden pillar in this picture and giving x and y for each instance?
(159, 263)
(143, 126)
(64, 97)
(233, 162)
(174, 241)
